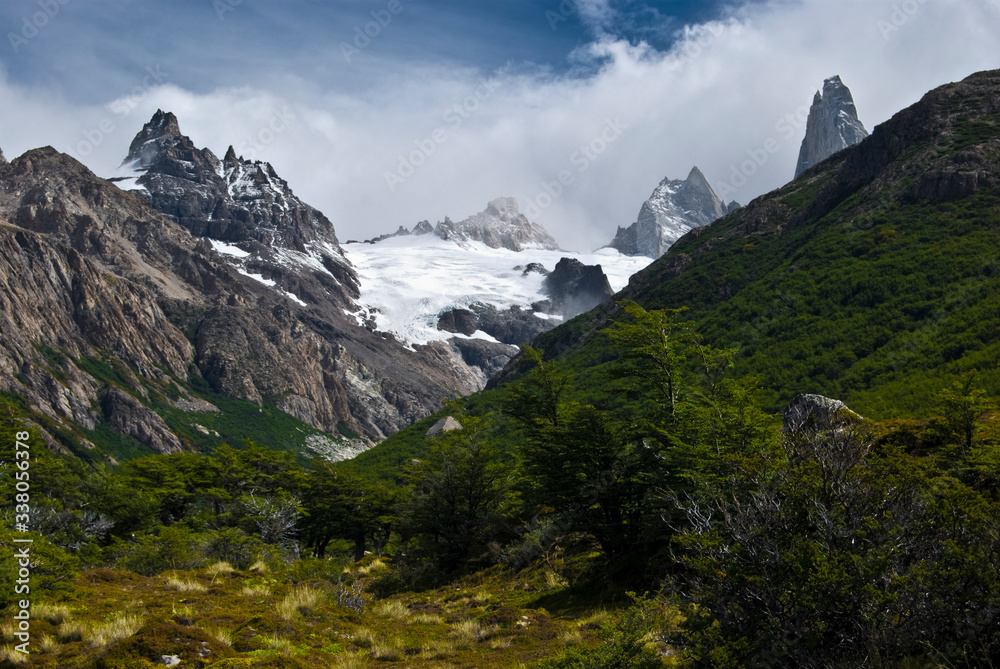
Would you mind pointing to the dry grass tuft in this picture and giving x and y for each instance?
(71, 631)
(48, 643)
(56, 614)
(438, 651)
(469, 631)
(428, 618)
(375, 565)
(260, 567)
(7, 631)
(364, 638)
(350, 661)
(180, 585)
(394, 609)
(255, 591)
(594, 620)
(571, 638)
(120, 627)
(7, 653)
(388, 650)
(222, 635)
(216, 569)
(279, 644)
(299, 602)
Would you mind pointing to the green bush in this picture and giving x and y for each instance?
(175, 547)
(233, 545)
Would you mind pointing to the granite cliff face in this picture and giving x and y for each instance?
(674, 208)
(95, 278)
(833, 125)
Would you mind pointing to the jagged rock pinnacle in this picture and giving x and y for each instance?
(674, 208)
(833, 125)
(163, 129)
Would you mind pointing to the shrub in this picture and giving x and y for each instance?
(174, 547)
(233, 545)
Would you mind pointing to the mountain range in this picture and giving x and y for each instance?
(136, 310)
(136, 307)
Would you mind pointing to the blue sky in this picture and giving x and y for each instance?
(491, 97)
(206, 44)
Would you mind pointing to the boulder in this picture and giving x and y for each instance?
(446, 424)
(817, 413)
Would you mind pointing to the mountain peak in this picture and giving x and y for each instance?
(501, 225)
(3, 160)
(674, 208)
(164, 123)
(162, 131)
(695, 175)
(833, 124)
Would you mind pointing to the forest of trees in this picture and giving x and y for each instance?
(837, 542)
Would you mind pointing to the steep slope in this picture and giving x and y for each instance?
(833, 125)
(113, 315)
(872, 278)
(674, 208)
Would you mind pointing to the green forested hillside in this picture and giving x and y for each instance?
(872, 278)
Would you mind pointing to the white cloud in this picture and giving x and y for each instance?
(713, 100)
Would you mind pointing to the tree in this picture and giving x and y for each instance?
(827, 551)
(459, 497)
(342, 505)
(962, 404)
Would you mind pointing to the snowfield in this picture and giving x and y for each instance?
(409, 281)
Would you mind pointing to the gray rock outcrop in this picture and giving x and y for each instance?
(574, 288)
(817, 413)
(127, 416)
(446, 424)
(510, 326)
(674, 208)
(833, 125)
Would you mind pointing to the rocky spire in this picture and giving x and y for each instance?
(163, 129)
(2, 159)
(833, 125)
(674, 208)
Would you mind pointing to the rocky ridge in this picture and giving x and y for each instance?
(500, 225)
(93, 275)
(833, 125)
(674, 208)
